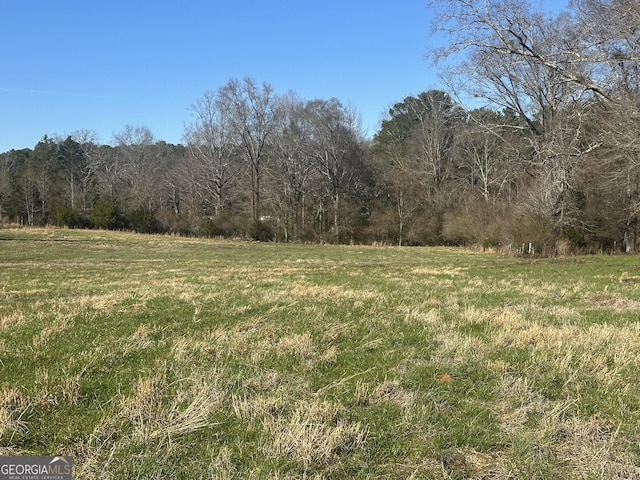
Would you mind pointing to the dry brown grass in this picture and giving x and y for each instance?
(307, 353)
(331, 292)
(391, 391)
(11, 423)
(455, 349)
(11, 319)
(429, 271)
(52, 391)
(421, 315)
(570, 345)
(587, 446)
(312, 435)
(157, 415)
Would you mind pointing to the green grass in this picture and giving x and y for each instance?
(154, 357)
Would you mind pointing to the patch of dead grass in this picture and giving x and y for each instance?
(11, 423)
(587, 446)
(332, 331)
(302, 346)
(101, 303)
(333, 292)
(51, 391)
(419, 315)
(434, 272)
(388, 391)
(614, 303)
(58, 326)
(11, 319)
(625, 277)
(269, 393)
(259, 407)
(139, 340)
(454, 349)
(312, 436)
(157, 413)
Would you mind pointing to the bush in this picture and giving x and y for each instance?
(104, 214)
(576, 238)
(70, 218)
(261, 231)
(220, 226)
(143, 221)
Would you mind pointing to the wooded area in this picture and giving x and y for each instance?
(533, 139)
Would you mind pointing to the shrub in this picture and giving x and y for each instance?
(69, 217)
(143, 221)
(261, 231)
(104, 214)
(220, 226)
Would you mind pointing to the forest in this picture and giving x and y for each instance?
(531, 146)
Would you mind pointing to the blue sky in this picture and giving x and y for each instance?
(99, 65)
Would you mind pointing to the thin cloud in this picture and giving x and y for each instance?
(58, 93)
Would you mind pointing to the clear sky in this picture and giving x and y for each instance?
(99, 65)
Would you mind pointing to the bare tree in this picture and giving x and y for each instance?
(539, 68)
(435, 139)
(252, 113)
(611, 30)
(106, 167)
(333, 145)
(417, 148)
(506, 46)
(210, 141)
(294, 168)
(140, 166)
(88, 141)
(490, 151)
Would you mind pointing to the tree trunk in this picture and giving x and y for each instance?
(400, 217)
(630, 235)
(336, 215)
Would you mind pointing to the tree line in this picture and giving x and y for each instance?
(549, 160)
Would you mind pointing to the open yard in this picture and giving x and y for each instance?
(163, 357)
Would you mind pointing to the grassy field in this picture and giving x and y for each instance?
(161, 357)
